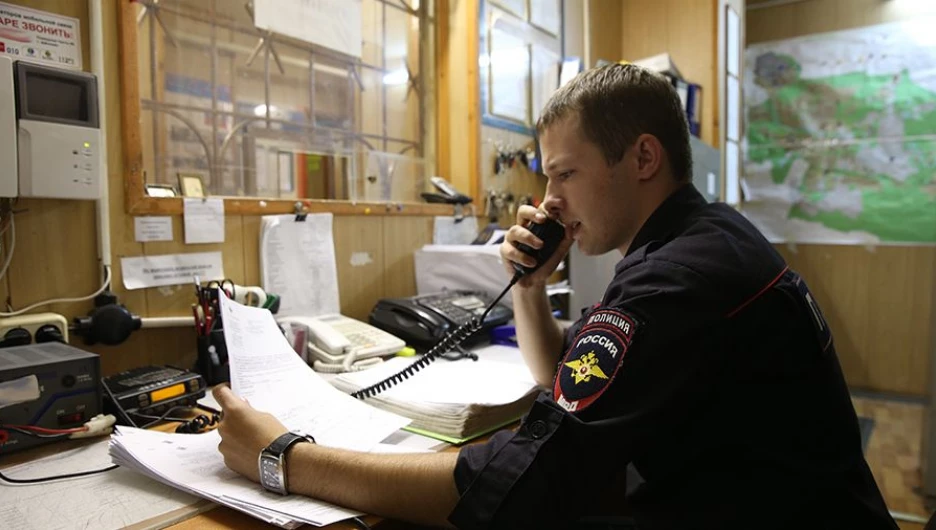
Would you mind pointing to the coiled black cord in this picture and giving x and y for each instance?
(450, 341)
(198, 424)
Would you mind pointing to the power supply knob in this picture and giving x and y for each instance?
(16, 337)
(49, 333)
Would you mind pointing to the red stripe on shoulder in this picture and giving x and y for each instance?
(760, 293)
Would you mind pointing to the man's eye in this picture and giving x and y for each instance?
(564, 175)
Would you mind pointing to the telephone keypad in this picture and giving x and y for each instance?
(458, 307)
(359, 338)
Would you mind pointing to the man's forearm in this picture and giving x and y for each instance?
(538, 333)
(418, 488)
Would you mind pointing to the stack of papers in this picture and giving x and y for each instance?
(271, 377)
(193, 464)
(453, 401)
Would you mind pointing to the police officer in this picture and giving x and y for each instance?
(703, 391)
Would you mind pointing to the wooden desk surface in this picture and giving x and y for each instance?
(204, 515)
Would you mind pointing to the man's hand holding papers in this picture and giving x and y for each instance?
(255, 431)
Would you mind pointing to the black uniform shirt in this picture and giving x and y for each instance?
(707, 367)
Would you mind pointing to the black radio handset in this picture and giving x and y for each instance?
(550, 232)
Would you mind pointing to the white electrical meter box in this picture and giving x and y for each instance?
(58, 133)
(8, 166)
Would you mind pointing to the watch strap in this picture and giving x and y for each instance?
(285, 441)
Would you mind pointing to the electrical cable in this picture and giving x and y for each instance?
(163, 417)
(32, 429)
(10, 480)
(35, 434)
(41, 432)
(158, 418)
(451, 340)
(116, 403)
(107, 280)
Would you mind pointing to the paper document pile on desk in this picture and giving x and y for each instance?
(453, 401)
(267, 372)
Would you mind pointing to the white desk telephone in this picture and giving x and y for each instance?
(336, 343)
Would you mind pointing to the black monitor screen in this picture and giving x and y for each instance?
(52, 97)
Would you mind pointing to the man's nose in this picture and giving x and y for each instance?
(553, 204)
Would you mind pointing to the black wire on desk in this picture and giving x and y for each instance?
(55, 477)
(163, 417)
(194, 425)
(40, 480)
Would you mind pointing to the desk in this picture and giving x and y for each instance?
(203, 514)
(167, 506)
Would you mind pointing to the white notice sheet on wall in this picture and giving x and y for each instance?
(153, 228)
(333, 24)
(171, 269)
(204, 220)
(297, 262)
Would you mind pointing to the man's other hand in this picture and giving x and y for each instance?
(244, 432)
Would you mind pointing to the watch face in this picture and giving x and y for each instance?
(271, 473)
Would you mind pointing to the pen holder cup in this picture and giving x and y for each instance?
(212, 362)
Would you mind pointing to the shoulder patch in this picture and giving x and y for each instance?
(593, 359)
(823, 334)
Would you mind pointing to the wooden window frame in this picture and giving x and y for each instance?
(136, 200)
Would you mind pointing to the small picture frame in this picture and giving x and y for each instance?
(161, 190)
(191, 185)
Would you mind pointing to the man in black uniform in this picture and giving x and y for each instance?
(707, 367)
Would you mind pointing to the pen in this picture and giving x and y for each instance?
(199, 313)
(209, 319)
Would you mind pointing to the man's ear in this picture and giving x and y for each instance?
(649, 154)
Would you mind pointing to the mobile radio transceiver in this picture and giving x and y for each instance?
(151, 390)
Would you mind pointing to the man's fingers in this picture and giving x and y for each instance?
(519, 234)
(226, 397)
(528, 213)
(517, 256)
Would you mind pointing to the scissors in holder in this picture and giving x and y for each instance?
(225, 285)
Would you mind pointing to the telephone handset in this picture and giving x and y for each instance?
(551, 233)
(337, 343)
(447, 193)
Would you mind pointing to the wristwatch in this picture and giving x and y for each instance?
(272, 461)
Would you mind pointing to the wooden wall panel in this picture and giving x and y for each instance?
(360, 258)
(462, 150)
(686, 30)
(880, 303)
(402, 237)
(250, 248)
(50, 256)
(603, 30)
(819, 16)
